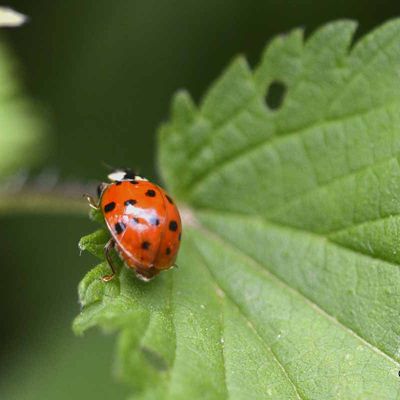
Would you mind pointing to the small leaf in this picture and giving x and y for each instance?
(289, 273)
(95, 242)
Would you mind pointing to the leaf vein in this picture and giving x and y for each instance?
(227, 244)
(251, 325)
(244, 152)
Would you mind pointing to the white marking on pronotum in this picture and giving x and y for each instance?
(116, 176)
(119, 175)
(139, 178)
(10, 17)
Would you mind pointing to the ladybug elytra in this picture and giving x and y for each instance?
(143, 221)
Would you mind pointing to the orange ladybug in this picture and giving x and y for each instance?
(144, 223)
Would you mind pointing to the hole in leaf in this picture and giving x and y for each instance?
(275, 95)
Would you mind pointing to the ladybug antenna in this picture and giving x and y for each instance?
(110, 167)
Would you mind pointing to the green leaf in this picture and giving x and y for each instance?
(288, 286)
(22, 128)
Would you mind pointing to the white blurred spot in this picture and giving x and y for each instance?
(10, 17)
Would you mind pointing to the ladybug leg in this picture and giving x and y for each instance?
(107, 249)
(92, 202)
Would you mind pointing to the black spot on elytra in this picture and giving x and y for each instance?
(119, 227)
(109, 207)
(134, 182)
(154, 221)
(169, 199)
(130, 202)
(168, 251)
(118, 183)
(145, 245)
(151, 193)
(173, 226)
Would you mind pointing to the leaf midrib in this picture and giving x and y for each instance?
(265, 270)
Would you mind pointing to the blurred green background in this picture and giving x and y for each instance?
(105, 71)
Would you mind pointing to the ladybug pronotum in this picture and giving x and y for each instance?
(143, 221)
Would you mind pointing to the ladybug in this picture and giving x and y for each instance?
(143, 221)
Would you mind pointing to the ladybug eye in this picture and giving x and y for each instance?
(100, 189)
(129, 174)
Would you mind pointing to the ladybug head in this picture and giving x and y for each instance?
(125, 174)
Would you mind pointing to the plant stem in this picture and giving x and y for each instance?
(32, 202)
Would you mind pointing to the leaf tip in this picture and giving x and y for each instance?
(77, 327)
(183, 107)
